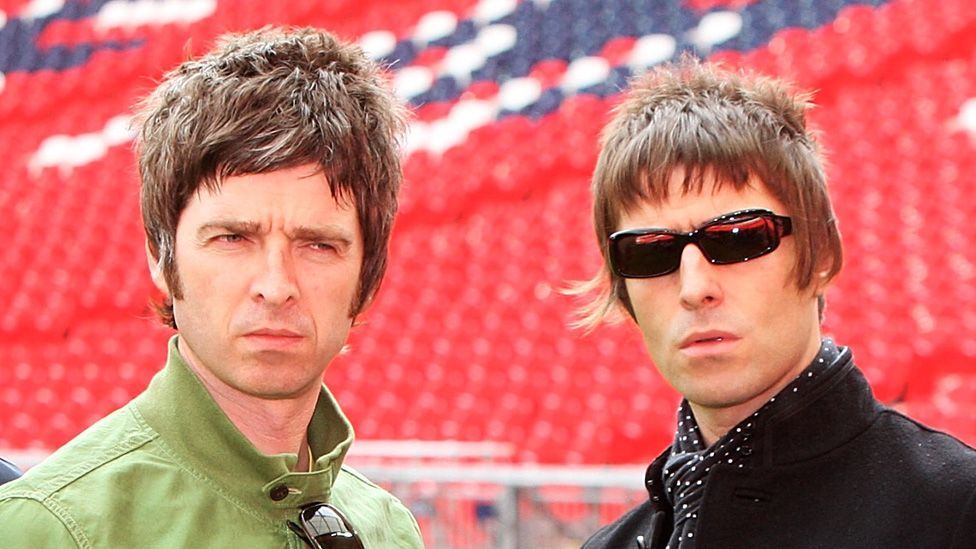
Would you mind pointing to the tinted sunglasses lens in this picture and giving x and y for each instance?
(328, 528)
(739, 240)
(645, 255)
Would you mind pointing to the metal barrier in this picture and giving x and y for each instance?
(510, 506)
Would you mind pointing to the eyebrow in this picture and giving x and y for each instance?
(329, 232)
(229, 225)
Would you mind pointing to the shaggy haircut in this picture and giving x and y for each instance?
(710, 122)
(264, 101)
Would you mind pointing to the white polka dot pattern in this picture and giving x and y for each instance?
(686, 471)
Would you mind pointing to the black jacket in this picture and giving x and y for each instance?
(836, 470)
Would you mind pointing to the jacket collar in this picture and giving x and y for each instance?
(205, 442)
(839, 408)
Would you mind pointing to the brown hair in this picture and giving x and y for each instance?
(263, 101)
(706, 120)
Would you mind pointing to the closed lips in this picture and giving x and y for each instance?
(274, 333)
(706, 337)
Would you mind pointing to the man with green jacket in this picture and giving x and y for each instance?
(270, 175)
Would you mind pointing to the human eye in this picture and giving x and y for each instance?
(322, 246)
(228, 241)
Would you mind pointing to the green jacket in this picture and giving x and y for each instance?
(170, 470)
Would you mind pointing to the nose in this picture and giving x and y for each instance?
(275, 284)
(699, 286)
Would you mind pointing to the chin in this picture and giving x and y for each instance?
(278, 391)
(278, 384)
(718, 396)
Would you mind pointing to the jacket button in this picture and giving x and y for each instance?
(747, 450)
(279, 492)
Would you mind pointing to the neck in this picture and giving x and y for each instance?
(273, 426)
(715, 421)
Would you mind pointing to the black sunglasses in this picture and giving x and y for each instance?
(730, 238)
(322, 526)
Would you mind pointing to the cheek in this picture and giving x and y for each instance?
(786, 311)
(208, 297)
(636, 297)
(798, 309)
(649, 308)
(330, 295)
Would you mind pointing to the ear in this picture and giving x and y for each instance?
(156, 271)
(822, 280)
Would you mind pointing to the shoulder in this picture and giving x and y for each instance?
(52, 497)
(965, 532)
(100, 445)
(934, 451)
(348, 474)
(622, 533)
(914, 463)
(935, 470)
(26, 521)
(382, 518)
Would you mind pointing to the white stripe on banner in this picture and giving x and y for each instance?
(120, 13)
(41, 8)
(70, 151)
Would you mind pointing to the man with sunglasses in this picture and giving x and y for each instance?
(719, 240)
(270, 174)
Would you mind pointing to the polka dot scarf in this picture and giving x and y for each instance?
(687, 467)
